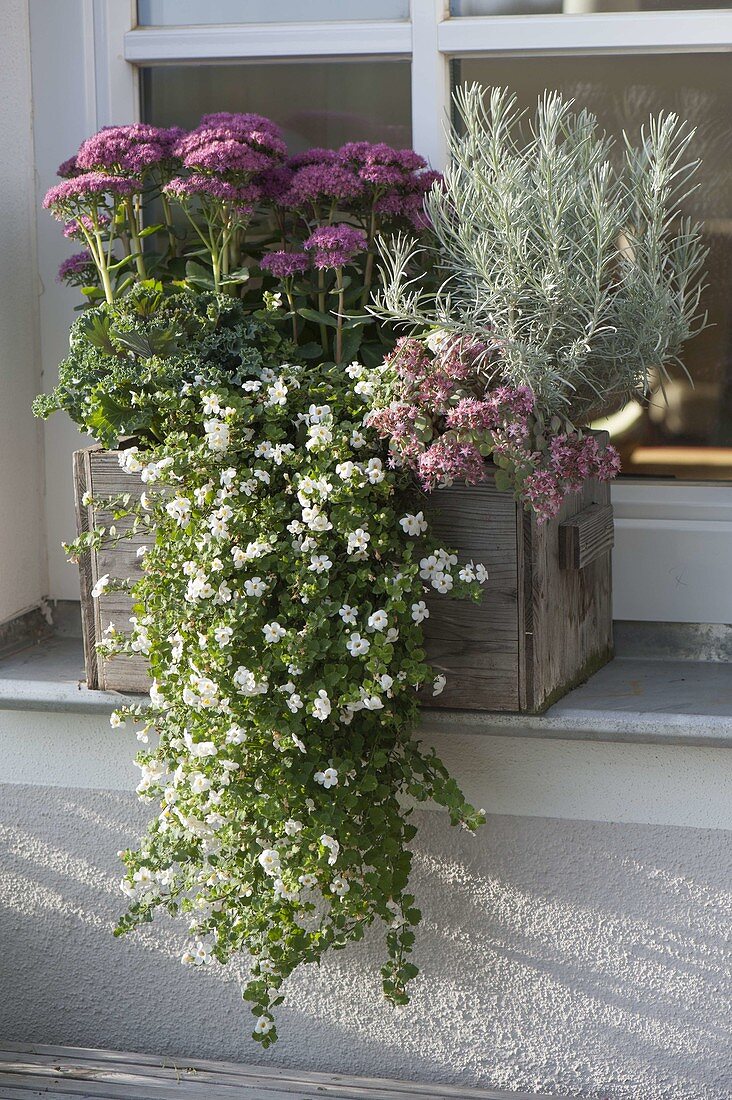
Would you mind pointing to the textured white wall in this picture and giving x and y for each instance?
(22, 543)
(581, 958)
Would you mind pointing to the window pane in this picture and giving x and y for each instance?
(316, 103)
(692, 436)
(166, 13)
(575, 7)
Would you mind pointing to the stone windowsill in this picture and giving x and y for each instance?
(666, 698)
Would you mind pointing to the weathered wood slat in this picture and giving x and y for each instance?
(586, 536)
(31, 1068)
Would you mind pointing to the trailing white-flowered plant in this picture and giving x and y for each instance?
(281, 610)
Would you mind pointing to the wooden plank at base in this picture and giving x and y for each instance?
(205, 1078)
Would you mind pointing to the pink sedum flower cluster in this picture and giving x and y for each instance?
(444, 417)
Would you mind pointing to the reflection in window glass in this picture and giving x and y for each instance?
(691, 436)
(316, 103)
(166, 13)
(575, 7)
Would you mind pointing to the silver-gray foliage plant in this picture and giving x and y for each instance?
(571, 253)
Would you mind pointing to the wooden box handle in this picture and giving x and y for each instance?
(586, 536)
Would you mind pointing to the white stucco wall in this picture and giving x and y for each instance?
(22, 541)
(577, 945)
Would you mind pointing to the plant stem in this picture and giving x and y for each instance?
(321, 309)
(341, 307)
(132, 220)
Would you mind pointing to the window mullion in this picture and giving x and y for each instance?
(430, 81)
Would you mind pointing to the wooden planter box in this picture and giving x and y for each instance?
(543, 626)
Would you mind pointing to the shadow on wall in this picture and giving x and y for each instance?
(582, 958)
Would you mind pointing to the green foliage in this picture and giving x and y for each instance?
(124, 354)
(569, 256)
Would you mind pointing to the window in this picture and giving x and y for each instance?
(326, 103)
(336, 69)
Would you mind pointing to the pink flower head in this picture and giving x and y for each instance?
(221, 151)
(274, 182)
(130, 148)
(255, 129)
(73, 229)
(64, 199)
(322, 182)
(316, 155)
(77, 269)
(283, 265)
(67, 168)
(335, 245)
(242, 197)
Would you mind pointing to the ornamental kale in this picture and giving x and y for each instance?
(125, 354)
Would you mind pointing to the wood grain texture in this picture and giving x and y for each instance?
(105, 478)
(34, 1069)
(476, 645)
(586, 536)
(570, 623)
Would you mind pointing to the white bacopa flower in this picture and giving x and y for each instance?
(437, 340)
(235, 735)
(357, 440)
(386, 682)
(295, 703)
(255, 586)
(273, 632)
(372, 702)
(481, 573)
(413, 524)
(318, 413)
(248, 684)
(355, 370)
(443, 582)
(129, 461)
(269, 861)
(327, 778)
(358, 541)
(365, 388)
(333, 847)
(420, 611)
(319, 436)
(252, 385)
(438, 684)
(199, 783)
(348, 614)
(300, 744)
(316, 519)
(293, 827)
(357, 646)
(101, 586)
(375, 471)
(116, 720)
(446, 560)
(346, 470)
(467, 573)
(321, 706)
(428, 567)
(282, 891)
(223, 635)
(179, 509)
(199, 749)
(378, 621)
(308, 881)
(320, 563)
(217, 435)
(276, 394)
(211, 403)
(339, 886)
(263, 1025)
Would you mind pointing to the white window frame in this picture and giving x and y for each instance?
(673, 539)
